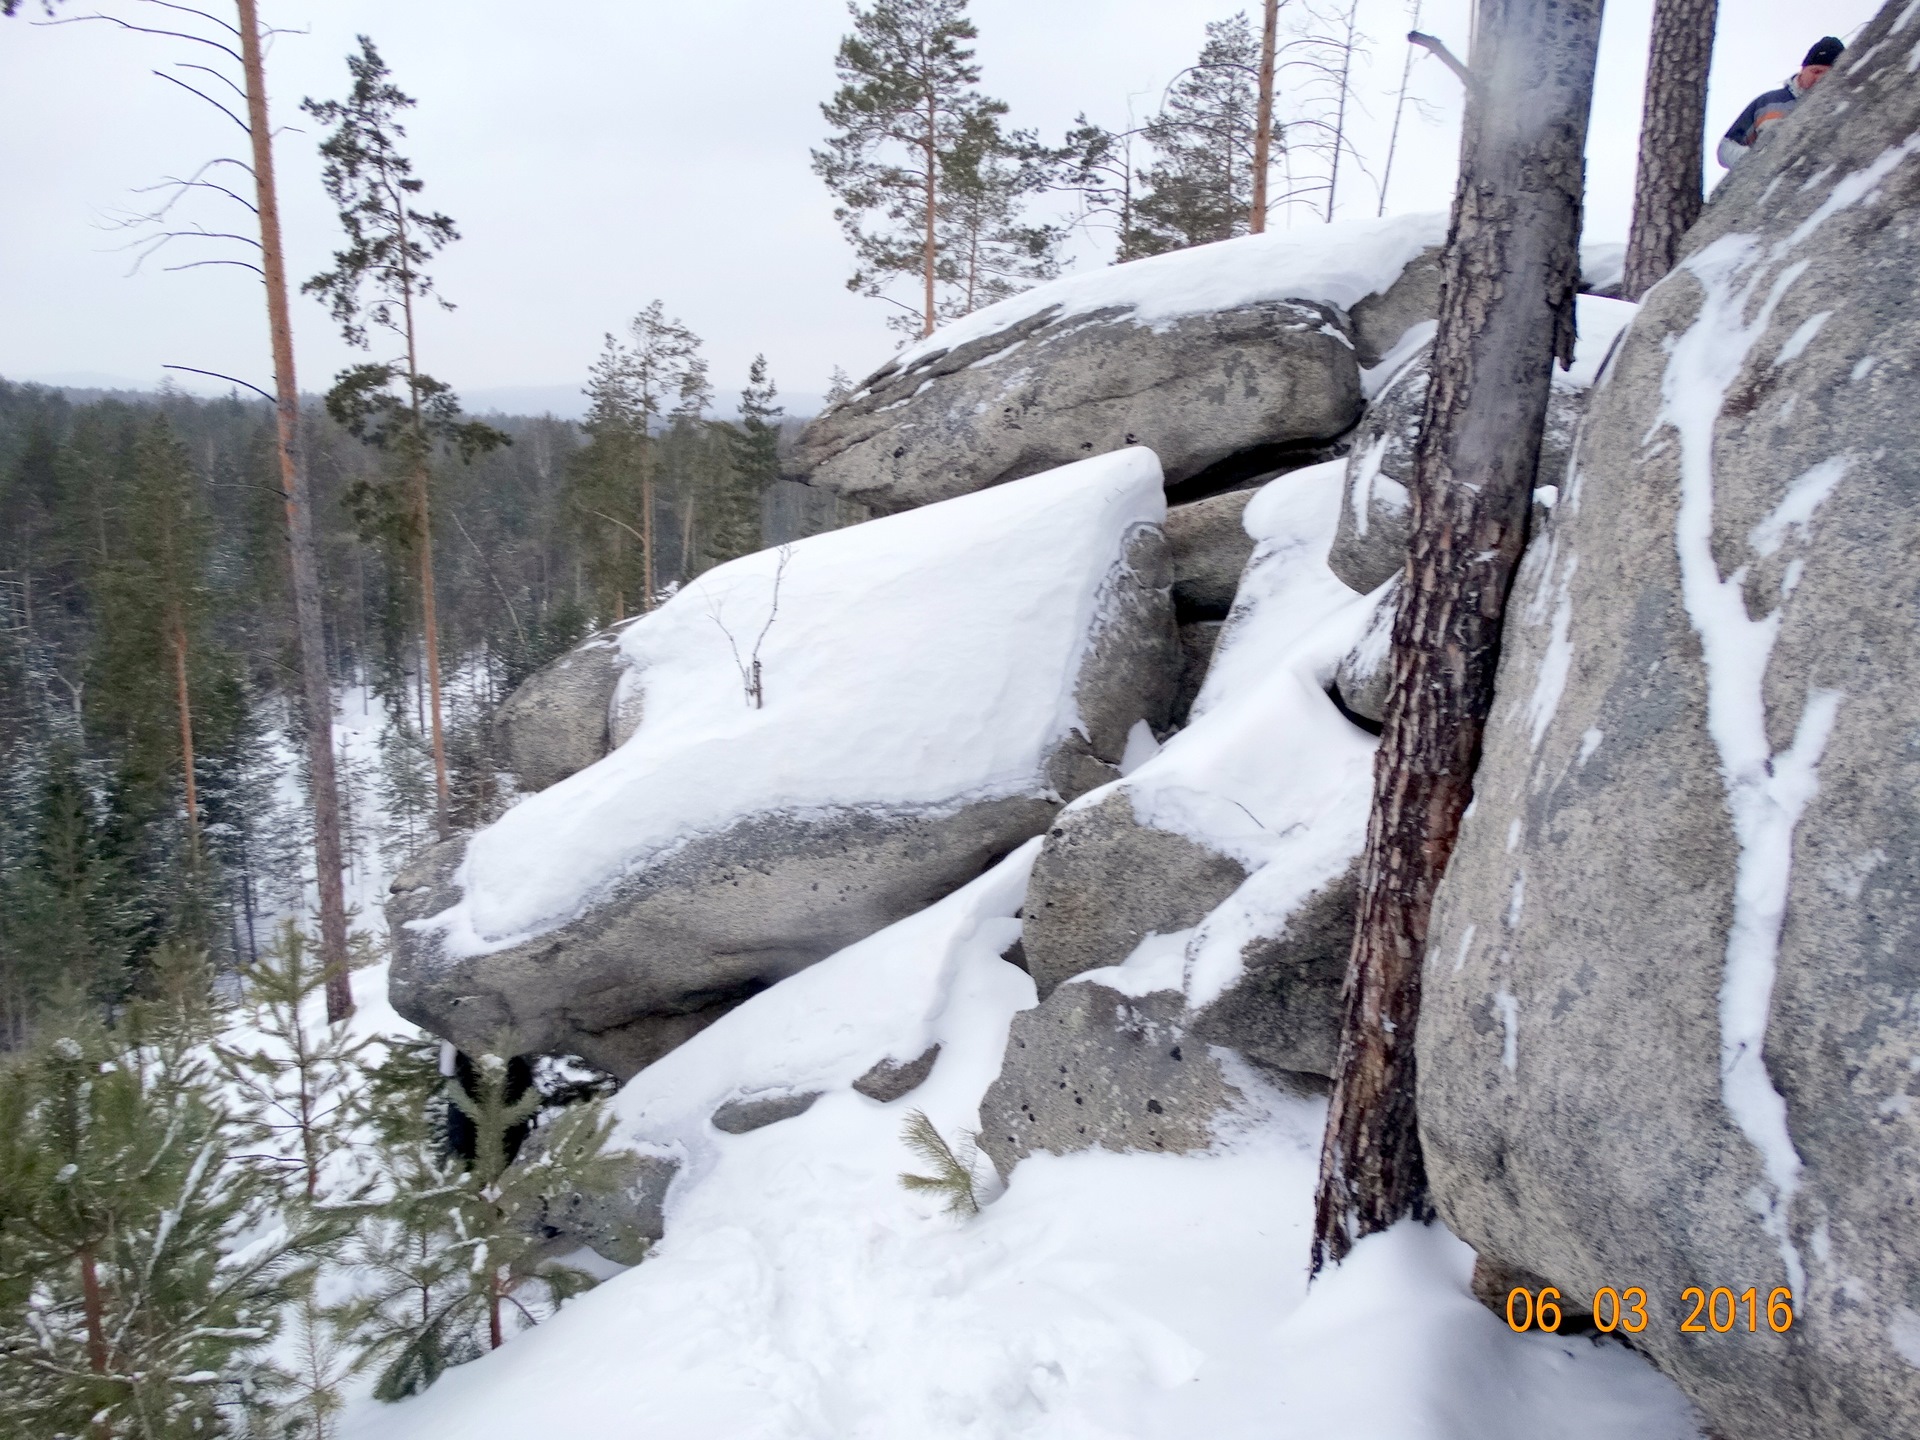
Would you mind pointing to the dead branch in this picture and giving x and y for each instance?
(1446, 57)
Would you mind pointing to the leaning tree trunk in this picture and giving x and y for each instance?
(1666, 191)
(303, 549)
(1506, 313)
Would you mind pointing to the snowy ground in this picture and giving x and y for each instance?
(803, 1294)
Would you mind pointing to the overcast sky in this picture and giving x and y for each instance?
(601, 153)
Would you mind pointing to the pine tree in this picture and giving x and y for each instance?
(151, 667)
(914, 142)
(456, 1254)
(1200, 188)
(133, 1306)
(389, 244)
(295, 1080)
(633, 391)
(733, 527)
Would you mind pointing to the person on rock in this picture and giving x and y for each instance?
(1776, 105)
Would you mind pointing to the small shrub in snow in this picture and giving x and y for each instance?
(953, 1172)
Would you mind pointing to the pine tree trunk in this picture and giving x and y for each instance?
(177, 637)
(94, 1307)
(928, 250)
(1666, 190)
(430, 624)
(1506, 313)
(494, 1337)
(1263, 125)
(302, 547)
(646, 539)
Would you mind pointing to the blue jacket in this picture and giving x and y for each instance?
(1768, 109)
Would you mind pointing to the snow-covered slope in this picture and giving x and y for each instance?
(803, 1294)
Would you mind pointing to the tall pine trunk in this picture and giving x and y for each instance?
(929, 242)
(183, 702)
(430, 626)
(1263, 122)
(1666, 190)
(1506, 314)
(302, 547)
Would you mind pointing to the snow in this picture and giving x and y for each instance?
(1598, 322)
(922, 660)
(1603, 264)
(1743, 284)
(1339, 264)
(802, 1294)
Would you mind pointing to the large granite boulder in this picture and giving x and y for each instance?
(1210, 547)
(1669, 1034)
(914, 726)
(1092, 1067)
(1054, 388)
(1376, 516)
(1104, 882)
(1227, 360)
(559, 719)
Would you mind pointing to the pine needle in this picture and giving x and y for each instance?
(953, 1173)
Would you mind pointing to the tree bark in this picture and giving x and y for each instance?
(1666, 191)
(430, 623)
(929, 244)
(1506, 313)
(302, 548)
(95, 1309)
(1263, 122)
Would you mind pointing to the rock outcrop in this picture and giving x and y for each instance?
(557, 721)
(1376, 515)
(1092, 1068)
(1669, 1034)
(1210, 547)
(1105, 881)
(1228, 360)
(1052, 389)
(668, 929)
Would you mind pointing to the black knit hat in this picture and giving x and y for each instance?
(1824, 51)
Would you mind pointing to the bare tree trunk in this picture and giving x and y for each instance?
(430, 624)
(929, 252)
(647, 574)
(183, 702)
(1340, 110)
(1399, 106)
(1666, 189)
(1506, 313)
(1263, 122)
(303, 549)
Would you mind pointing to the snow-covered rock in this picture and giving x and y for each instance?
(1669, 1034)
(560, 720)
(1219, 867)
(1376, 516)
(1230, 352)
(936, 684)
